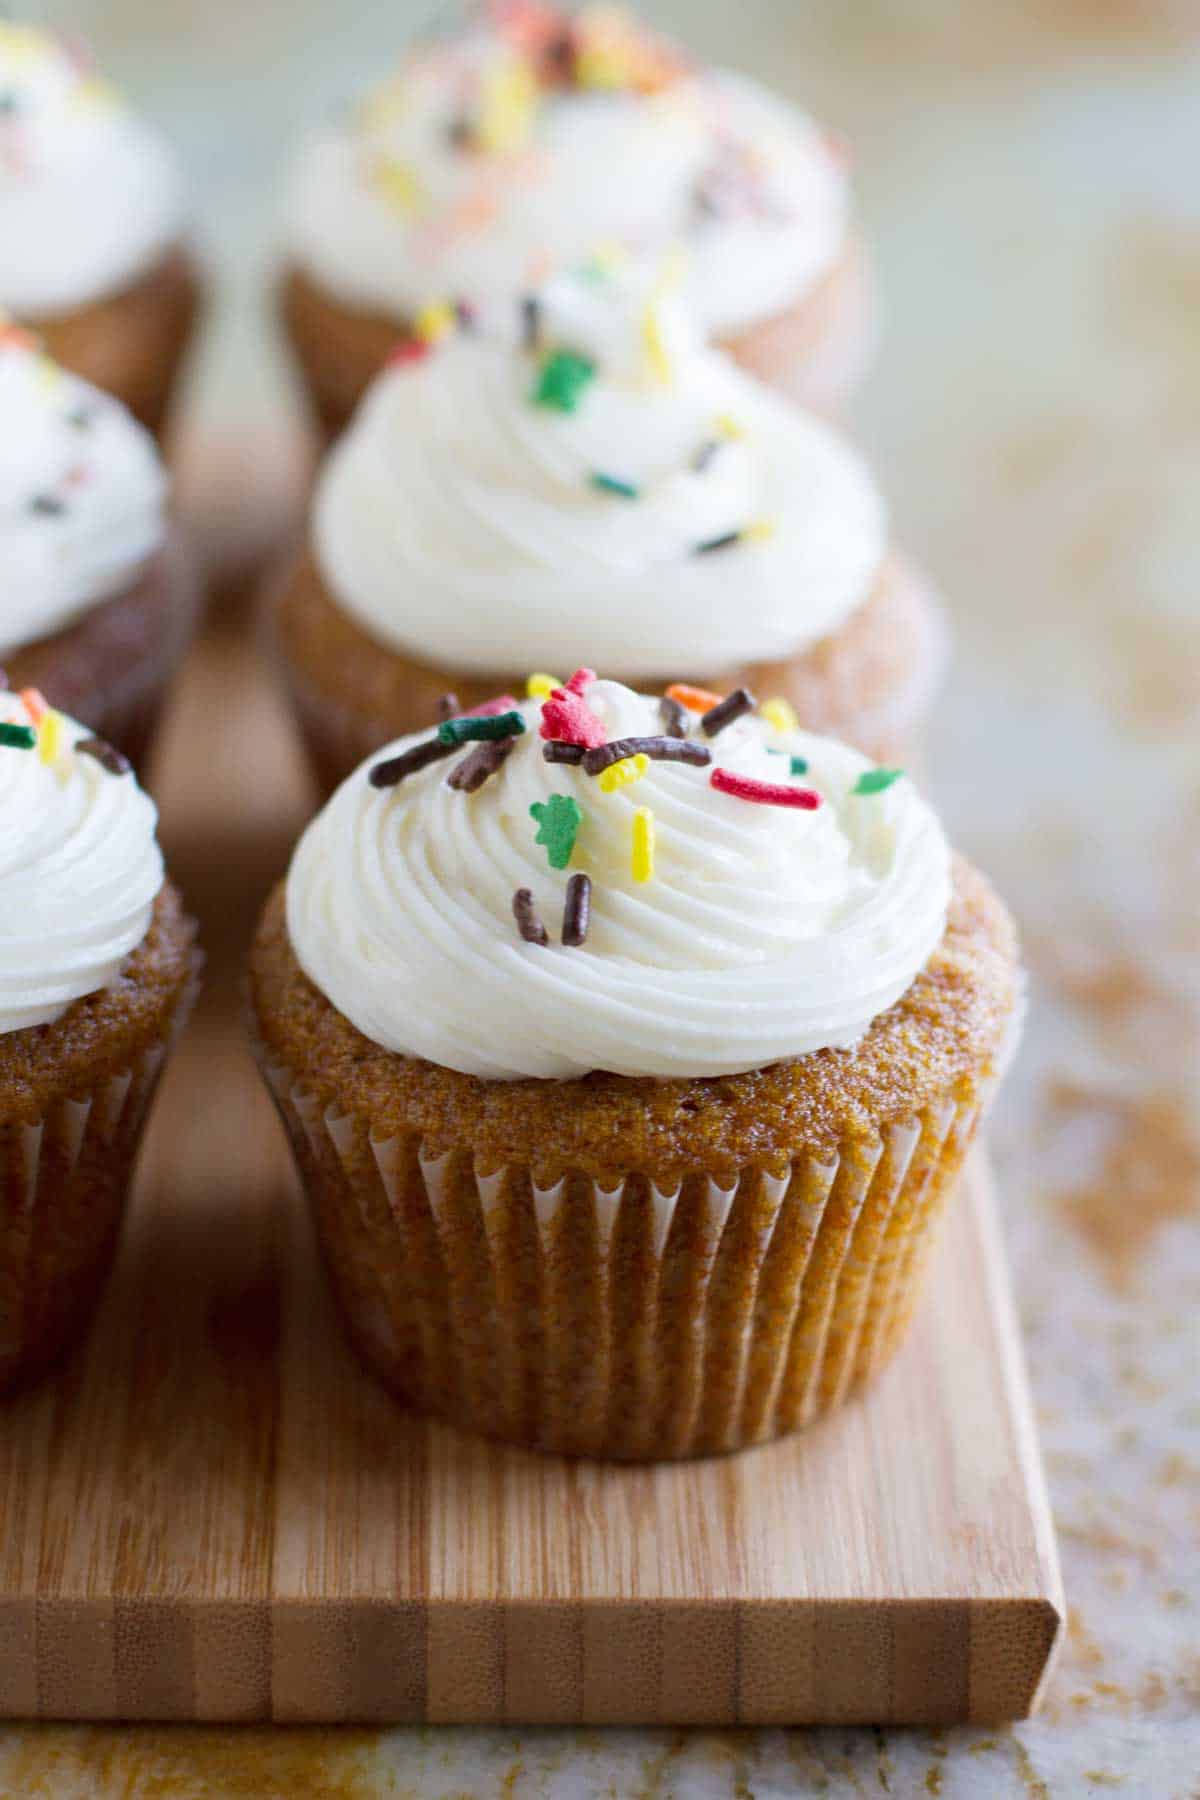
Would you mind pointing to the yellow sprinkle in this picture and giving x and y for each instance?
(643, 844)
(435, 321)
(758, 530)
(398, 184)
(726, 426)
(539, 684)
(49, 374)
(622, 774)
(507, 104)
(50, 736)
(780, 715)
(655, 347)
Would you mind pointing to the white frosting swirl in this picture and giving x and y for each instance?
(89, 194)
(79, 872)
(460, 524)
(385, 209)
(765, 933)
(82, 495)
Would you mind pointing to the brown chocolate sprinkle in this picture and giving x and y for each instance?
(107, 755)
(393, 769)
(658, 749)
(705, 454)
(448, 706)
(49, 504)
(732, 707)
(483, 761)
(531, 316)
(528, 923)
(674, 717)
(577, 911)
(726, 541)
(556, 750)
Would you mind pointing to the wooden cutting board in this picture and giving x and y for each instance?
(212, 1513)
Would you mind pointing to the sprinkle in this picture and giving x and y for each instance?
(733, 706)
(81, 418)
(435, 321)
(48, 504)
(694, 699)
(17, 737)
(674, 717)
(705, 454)
(558, 821)
(567, 716)
(728, 427)
(408, 350)
(643, 844)
(397, 183)
(50, 736)
(475, 768)
(758, 531)
(509, 97)
(582, 678)
(764, 793)
(656, 749)
(393, 769)
(531, 321)
(562, 379)
(528, 923)
(780, 715)
(470, 728)
(465, 315)
(105, 754)
(624, 773)
(556, 752)
(612, 484)
(726, 541)
(448, 706)
(577, 911)
(876, 780)
(654, 344)
(798, 765)
(34, 702)
(539, 685)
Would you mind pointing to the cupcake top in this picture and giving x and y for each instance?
(596, 880)
(79, 863)
(577, 469)
(526, 138)
(82, 494)
(89, 194)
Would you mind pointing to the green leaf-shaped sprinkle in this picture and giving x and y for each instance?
(876, 780)
(558, 822)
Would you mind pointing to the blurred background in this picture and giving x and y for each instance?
(1028, 177)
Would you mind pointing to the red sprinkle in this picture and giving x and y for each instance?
(490, 708)
(567, 718)
(764, 793)
(408, 350)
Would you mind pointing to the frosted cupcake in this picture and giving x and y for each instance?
(530, 137)
(97, 602)
(579, 469)
(629, 1056)
(91, 225)
(97, 967)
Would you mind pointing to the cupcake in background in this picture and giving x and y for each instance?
(92, 248)
(515, 145)
(97, 599)
(629, 1056)
(576, 468)
(97, 970)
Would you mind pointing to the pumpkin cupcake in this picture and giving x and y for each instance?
(97, 968)
(525, 140)
(579, 468)
(97, 600)
(629, 1056)
(92, 249)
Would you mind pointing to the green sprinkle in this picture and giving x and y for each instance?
(612, 484)
(875, 780)
(18, 737)
(798, 765)
(561, 380)
(558, 822)
(486, 730)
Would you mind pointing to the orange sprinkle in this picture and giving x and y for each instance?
(694, 698)
(34, 703)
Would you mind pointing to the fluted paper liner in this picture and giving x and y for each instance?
(634, 1321)
(63, 1182)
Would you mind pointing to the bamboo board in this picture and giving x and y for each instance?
(211, 1513)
